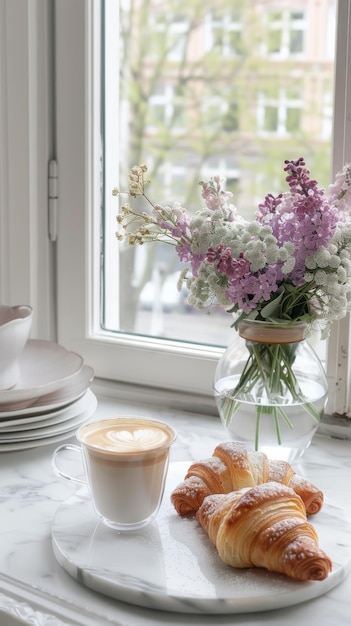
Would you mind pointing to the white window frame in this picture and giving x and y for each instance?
(339, 360)
(327, 119)
(37, 271)
(125, 358)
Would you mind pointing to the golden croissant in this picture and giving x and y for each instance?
(232, 467)
(264, 526)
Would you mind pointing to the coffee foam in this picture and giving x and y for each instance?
(125, 436)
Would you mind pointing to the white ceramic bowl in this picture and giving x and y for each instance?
(15, 327)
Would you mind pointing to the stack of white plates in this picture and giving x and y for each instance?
(51, 399)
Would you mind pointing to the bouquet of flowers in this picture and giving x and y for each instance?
(292, 263)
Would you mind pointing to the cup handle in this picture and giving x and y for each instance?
(70, 447)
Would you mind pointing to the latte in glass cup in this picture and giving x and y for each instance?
(126, 462)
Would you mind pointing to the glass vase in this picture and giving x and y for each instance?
(271, 389)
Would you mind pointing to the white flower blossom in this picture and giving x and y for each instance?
(341, 274)
(321, 277)
(322, 257)
(272, 254)
(334, 261)
(288, 266)
(310, 262)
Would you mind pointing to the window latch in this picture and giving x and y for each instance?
(52, 199)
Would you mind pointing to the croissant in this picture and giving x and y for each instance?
(232, 467)
(264, 526)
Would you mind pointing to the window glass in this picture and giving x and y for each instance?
(199, 93)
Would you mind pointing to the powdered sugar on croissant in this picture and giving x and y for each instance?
(232, 467)
(264, 526)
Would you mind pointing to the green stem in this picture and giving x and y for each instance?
(277, 426)
(285, 417)
(312, 410)
(258, 424)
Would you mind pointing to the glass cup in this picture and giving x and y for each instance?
(126, 462)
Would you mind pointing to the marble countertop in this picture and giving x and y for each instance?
(35, 589)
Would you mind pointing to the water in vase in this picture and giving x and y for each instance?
(280, 428)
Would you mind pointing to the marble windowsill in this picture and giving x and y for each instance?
(35, 589)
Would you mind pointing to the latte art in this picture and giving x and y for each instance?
(131, 440)
(125, 437)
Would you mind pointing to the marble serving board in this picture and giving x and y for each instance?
(171, 564)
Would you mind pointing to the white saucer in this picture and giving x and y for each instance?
(57, 433)
(59, 399)
(45, 367)
(40, 422)
(171, 564)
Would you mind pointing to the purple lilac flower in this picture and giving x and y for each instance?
(234, 268)
(213, 194)
(269, 206)
(302, 216)
(248, 292)
(186, 255)
(245, 288)
(340, 192)
(174, 220)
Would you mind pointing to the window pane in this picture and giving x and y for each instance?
(200, 90)
(271, 118)
(293, 117)
(275, 39)
(296, 41)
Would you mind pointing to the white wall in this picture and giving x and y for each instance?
(26, 256)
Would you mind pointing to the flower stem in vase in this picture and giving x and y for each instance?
(269, 380)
